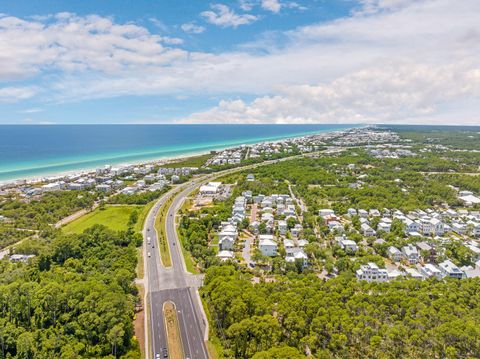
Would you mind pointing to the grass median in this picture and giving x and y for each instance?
(161, 228)
(174, 339)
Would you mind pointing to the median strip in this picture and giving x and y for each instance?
(160, 227)
(174, 340)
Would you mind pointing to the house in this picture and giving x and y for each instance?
(267, 246)
(383, 226)
(326, 212)
(394, 254)
(413, 273)
(459, 228)
(438, 228)
(226, 243)
(282, 227)
(296, 230)
(210, 188)
(394, 274)
(410, 253)
(371, 273)
(450, 270)
(296, 254)
(367, 231)
(225, 255)
(411, 226)
(227, 237)
(474, 228)
(475, 250)
(352, 212)
(288, 244)
(362, 213)
(250, 177)
(347, 244)
(429, 270)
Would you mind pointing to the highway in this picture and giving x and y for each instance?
(172, 284)
(175, 283)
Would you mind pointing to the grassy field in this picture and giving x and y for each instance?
(113, 217)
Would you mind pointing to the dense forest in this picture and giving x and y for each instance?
(385, 183)
(48, 209)
(74, 299)
(342, 317)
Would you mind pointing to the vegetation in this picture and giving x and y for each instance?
(137, 198)
(194, 161)
(47, 210)
(173, 331)
(343, 317)
(116, 218)
(160, 227)
(75, 299)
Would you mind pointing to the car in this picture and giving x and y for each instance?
(149, 254)
(157, 356)
(173, 243)
(148, 229)
(165, 352)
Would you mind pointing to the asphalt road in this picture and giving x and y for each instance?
(173, 284)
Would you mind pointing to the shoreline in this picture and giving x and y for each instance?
(54, 174)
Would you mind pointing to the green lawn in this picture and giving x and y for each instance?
(114, 217)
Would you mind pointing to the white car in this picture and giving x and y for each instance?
(149, 254)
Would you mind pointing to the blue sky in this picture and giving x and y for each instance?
(241, 61)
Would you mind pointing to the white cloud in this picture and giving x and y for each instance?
(32, 110)
(395, 92)
(271, 5)
(16, 94)
(221, 15)
(192, 28)
(402, 61)
(71, 43)
(246, 5)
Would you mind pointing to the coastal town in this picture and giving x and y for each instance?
(263, 226)
(365, 206)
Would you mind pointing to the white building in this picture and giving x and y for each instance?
(210, 188)
(371, 273)
(267, 245)
(429, 270)
(449, 269)
(410, 253)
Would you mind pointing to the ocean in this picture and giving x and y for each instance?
(33, 150)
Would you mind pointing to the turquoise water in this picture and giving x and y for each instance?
(29, 151)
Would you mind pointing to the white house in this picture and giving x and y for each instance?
(410, 253)
(282, 227)
(348, 244)
(459, 228)
(296, 254)
(225, 255)
(367, 231)
(413, 273)
(449, 269)
(394, 254)
(371, 273)
(267, 245)
(429, 270)
(438, 226)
